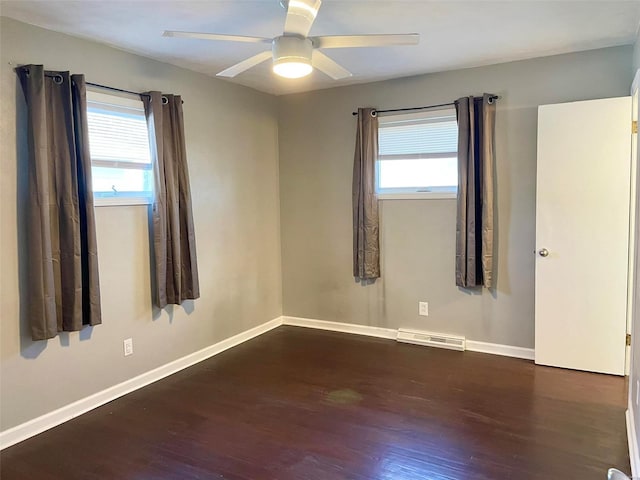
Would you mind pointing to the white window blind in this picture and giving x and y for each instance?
(118, 135)
(417, 153)
(120, 155)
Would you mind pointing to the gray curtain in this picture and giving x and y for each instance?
(61, 253)
(175, 276)
(476, 158)
(366, 251)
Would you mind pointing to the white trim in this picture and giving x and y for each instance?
(392, 333)
(636, 81)
(446, 112)
(120, 201)
(499, 349)
(633, 242)
(632, 438)
(94, 95)
(418, 196)
(367, 330)
(49, 420)
(52, 419)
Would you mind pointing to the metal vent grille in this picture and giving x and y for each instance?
(438, 340)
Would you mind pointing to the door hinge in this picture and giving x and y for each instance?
(634, 126)
(628, 340)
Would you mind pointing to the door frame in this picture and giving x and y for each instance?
(633, 219)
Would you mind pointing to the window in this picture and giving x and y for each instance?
(418, 155)
(120, 156)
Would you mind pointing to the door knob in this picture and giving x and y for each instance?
(615, 474)
(543, 252)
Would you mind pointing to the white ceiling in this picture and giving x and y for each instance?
(454, 34)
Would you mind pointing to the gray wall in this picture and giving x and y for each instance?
(636, 53)
(232, 146)
(417, 236)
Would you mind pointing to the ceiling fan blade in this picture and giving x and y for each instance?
(328, 66)
(300, 16)
(216, 36)
(351, 41)
(245, 65)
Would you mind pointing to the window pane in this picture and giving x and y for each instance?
(121, 180)
(420, 173)
(119, 145)
(418, 152)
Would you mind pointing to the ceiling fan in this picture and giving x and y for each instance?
(295, 54)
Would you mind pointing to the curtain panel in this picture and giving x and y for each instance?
(175, 270)
(61, 254)
(476, 158)
(366, 251)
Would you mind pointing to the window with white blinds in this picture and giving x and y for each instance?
(418, 155)
(120, 155)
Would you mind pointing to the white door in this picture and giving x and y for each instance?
(582, 234)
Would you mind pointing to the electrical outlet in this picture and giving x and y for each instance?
(128, 347)
(423, 309)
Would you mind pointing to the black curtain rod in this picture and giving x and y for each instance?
(114, 89)
(58, 77)
(105, 87)
(492, 98)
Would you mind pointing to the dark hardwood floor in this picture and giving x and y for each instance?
(305, 404)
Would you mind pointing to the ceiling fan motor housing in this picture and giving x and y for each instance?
(291, 48)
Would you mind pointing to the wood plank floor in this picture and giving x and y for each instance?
(303, 404)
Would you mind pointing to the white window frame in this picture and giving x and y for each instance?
(120, 200)
(414, 193)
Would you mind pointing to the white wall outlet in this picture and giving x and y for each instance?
(423, 309)
(128, 347)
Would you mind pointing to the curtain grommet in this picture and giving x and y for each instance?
(57, 79)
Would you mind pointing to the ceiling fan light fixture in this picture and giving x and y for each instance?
(292, 56)
(292, 69)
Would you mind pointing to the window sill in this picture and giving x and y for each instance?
(418, 196)
(120, 201)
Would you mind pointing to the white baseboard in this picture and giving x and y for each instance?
(341, 327)
(498, 349)
(632, 438)
(49, 420)
(471, 345)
